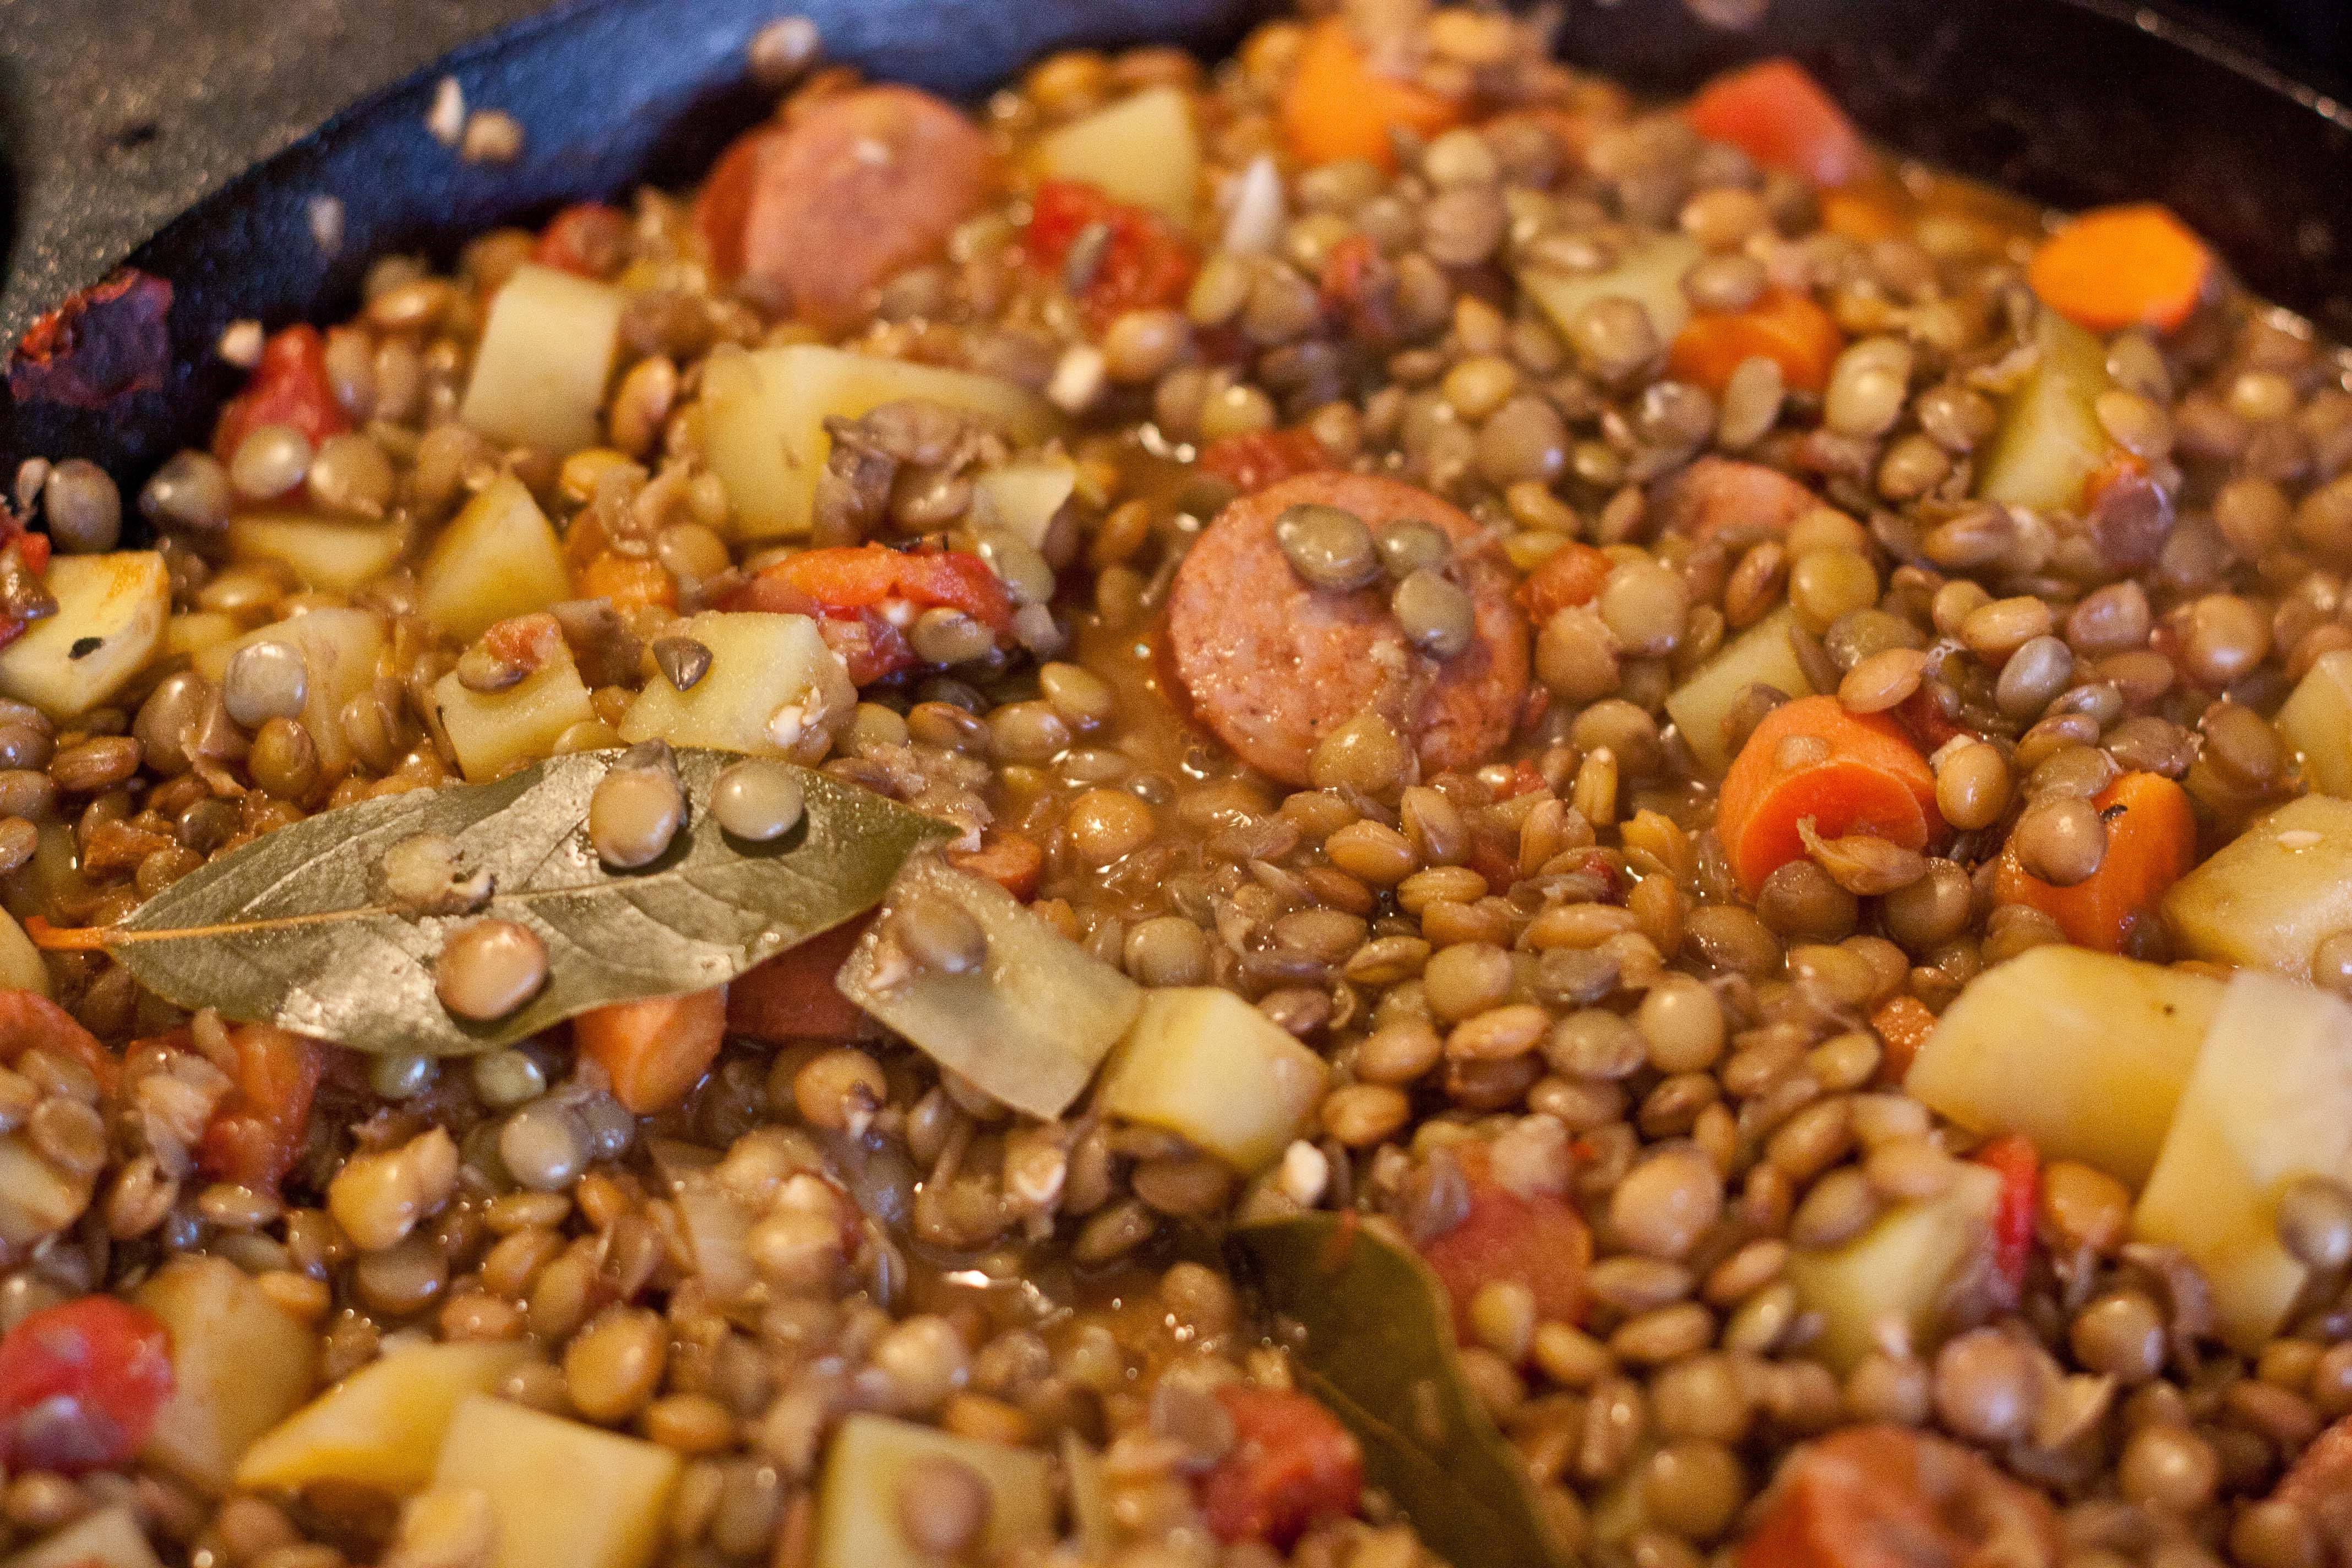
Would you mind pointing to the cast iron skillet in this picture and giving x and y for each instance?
(2072, 101)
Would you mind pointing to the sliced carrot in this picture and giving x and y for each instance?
(631, 583)
(260, 1128)
(792, 997)
(1810, 759)
(2113, 268)
(1873, 210)
(1338, 107)
(1784, 326)
(1570, 575)
(2151, 844)
(1536, 1239)
(1904, 1024)
(1779, 115)
(30, 1021)
(1014, 861)
(654, 1050)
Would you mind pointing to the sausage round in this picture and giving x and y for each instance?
(1272, 665)
(1886, 1496)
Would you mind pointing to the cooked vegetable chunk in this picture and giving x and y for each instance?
(565, 1494)
(1207, 1065)
(383, 1425)
(772, 688)
(2270, 896)
(545, 355)
(109, 623)
(241, 1364)
(2317, 721)
(1141, 150)
(499, 559)
(858, 1512)
(1899, 1270)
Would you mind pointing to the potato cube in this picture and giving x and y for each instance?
(565, 1494)
(2049, 441)
(495, 733)
(858, 1495)
(382, 1427)
(545, 355)
(1141, 150)
(109, 623)
(2317, 721)
(1650, 274)
(340, 649)
(21, 968)
(239, 1361)
(1763, 655)
(1898, 1271)
(773, 689)
(335, 554)
(37, 1199)
(500, 557)
(2267, 897)
(1205, 1065)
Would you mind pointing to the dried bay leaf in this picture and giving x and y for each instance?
(295, 929)
(1377, 1350)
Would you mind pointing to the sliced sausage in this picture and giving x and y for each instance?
(1721, 497)
(1272, 665)
(792, 996)
(816, 214)
(1885, 1497)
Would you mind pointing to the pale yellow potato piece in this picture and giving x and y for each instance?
(2084, 1053)
(2316, 720)
(495, 733)
(773, 689)
(1896, 1272)
(340, 650)
(239, 1363)
(109, 623)
(21, 968)
(1761, 655)
(566, 1495)
(1142, 150)
(110, 1538)
(764, 414)
(545, 356)
(1205, 1065)
(335, 554)
(190, 632)
(2049, 441)
(858, 1495)
(382, 1427)
(499, 557)
(1650, 274)
(1023, 499)
(37, 1199)
(2268, 897)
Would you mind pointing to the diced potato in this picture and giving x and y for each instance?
(2049, 441)
(764, 414)
(2269, 895)
(566, 1495)
(858, 1495)
(340, 649)
(499, 557)
(110, 622)
(191, 632)
(772, 688)
(1029, 1026)
(1141, 150)
(1651, 275)
(110, 1538)
(37, 1199)
(240, 1364)
(1023, 499)
(2317, 721)
(1204, 1064)
(495, 733)
(335, 554)
(545, 355)
(1897, 1271)
(2083, 1052)
(1763, 655)
(2270, 1101)
(21, 968)
(383, 1425)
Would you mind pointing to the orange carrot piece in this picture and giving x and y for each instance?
(792, 997)
(2151, 844)
(1570, 575)
(1873, 210)
(1848, 772)
(631, 583)
(1779, 115)
(260, 1128)
(1014, 861)
(1784, 326)
(1904, 1024)
(30, 1021)
(1337, 106)
(654, 1050)
(2113, 268)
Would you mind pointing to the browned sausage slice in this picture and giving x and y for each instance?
(1885, 1497)
(1272, 665)
(1724, 496)
(817, 214)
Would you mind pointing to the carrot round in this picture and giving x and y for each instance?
(2113, 268)
(1849, 772)
(629, 582)
(1784, 326)
(1571, 575)
(1777, 114)
(2151, 844)
(654, 1050)
(1338, 107)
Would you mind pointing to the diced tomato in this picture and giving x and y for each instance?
(586, 237)
(846, 579)
(1536, 1239)
(30, 1020)
(290, 386)
(80, 1383)
(792, 996)
(1145, 262)
(1885, 1497)
(1291, 1464)
(1777, 114)
(259, 1128)
(2019, 1169)
(1924, 722)
(1903, 1023)
(1014, 861)
(1570, 575)
(1266, 457)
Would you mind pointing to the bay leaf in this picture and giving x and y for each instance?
(1377, 1350)
(296, 929)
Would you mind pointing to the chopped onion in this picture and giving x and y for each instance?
(1253, 224)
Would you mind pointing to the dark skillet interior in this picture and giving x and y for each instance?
(2072, 101)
